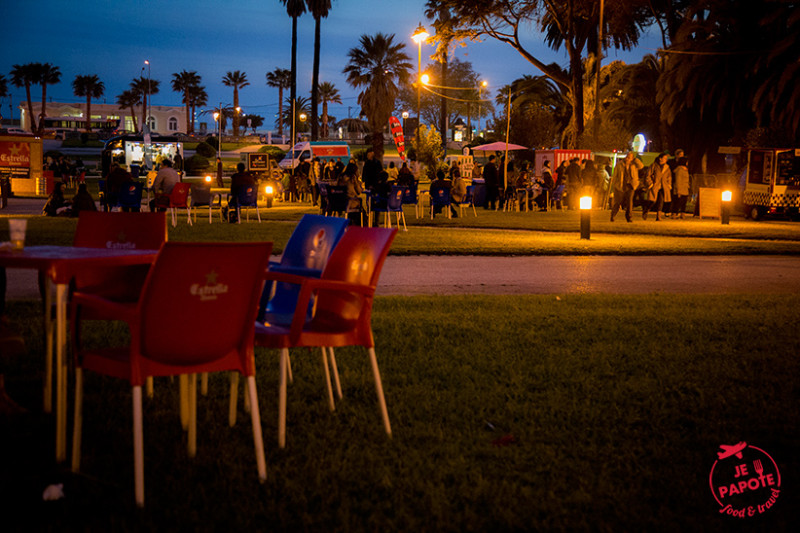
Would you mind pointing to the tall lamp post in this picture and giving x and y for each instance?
(147, 100)
(481, 85)
(420, 34)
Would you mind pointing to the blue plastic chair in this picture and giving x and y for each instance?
(247, 197)
(557, 197)
(377, 204)
(410, 197)
(394, 204)
(440, 198)
(467, 202)
(305, 254)
(130, 196)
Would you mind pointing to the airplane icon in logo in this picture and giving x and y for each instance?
(736, 450)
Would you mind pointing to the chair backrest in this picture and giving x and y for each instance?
(201, 195)
(141, 231)
(337, 198)
(130, 194)
(468, 196)
(377, 201)
(357, 259)
(440, 196)
(312, 242)
(101, 186)
(395, 202)
(410, 194)
(323, 189)
(559, 192)
(247, 196)
(199, 301)
(179, 196)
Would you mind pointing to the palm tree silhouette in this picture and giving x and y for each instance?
(294, 8)
(197, 96)
(328, 93)
(25, 76)
(47, 75)
(237, 80)
(281, 79)
(129, 100)
(319, 9)
(89, 86)
(378, 66)
(145, 88)
(183, 82)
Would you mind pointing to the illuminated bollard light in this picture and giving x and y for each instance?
(726, 207)
(268, 193)
(208, 179)
(586, 213)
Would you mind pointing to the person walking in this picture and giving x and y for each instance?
(659, 186)
(680, 187)
(491, 181)
(624, 183)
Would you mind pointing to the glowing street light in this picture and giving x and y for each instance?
(419, 36)
(481, 86)
(586, 212)
(425, 79)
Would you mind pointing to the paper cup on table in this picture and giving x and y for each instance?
(16, 232)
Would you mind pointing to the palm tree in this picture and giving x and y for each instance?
(301, 107)
(328, 93)
(281, 79)
(145, 88)
(183, 82)
(197, 97)
(25, 76)
(294, 8)
(378, 66)
(237, 80)
(47, 75)
(89, 86)
(319, 9)
(129, 100)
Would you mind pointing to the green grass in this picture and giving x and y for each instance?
(616, 404)
(494, 233)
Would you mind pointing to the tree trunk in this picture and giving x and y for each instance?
(235, 112)
(377, 141)
(30, 108)
(576, 69)
(315, 81)
(443, 104)
(133, 118)
(280, 110)
(43, 113)
(188, 116)
(324, 119)
(88, 113)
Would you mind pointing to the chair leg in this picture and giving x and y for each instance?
(282, 397)
(204, 383)
(189, 215)
(258, 439)
(234, 399)
(403, 216)
(183, 393)
(49, 333)
(192, 441)
(138, 447)
(77, 425)
(327, 373)
(379, 391)
(335, 373)
(258, 215)
(148, 383)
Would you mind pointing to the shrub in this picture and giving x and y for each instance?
(213, 141)
(206, 150)
(360, 154)
(197, 164)
(273, 151)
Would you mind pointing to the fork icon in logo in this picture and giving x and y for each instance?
(758, 467)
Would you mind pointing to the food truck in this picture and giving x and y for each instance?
(21, 165)
(325, 150)
(771, 182)
(556, 157)
(141, 153)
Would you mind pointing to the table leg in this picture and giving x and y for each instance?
(61, 372)
(47, 403)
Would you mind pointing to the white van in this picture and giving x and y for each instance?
(325, 150)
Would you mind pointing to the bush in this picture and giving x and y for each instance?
(273, 151)
(213, 141)
(197, 164)
(360, 154)
(206, 150)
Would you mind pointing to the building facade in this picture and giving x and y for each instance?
(62, 116)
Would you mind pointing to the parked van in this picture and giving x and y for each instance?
(325, 150)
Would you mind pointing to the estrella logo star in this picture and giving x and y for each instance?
(211, 278)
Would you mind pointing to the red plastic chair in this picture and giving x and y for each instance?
(179, 199)
(196, 314)
(343, 311)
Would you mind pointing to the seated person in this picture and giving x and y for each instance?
(56, 204)
(114, 181)
(440, 181)
(163, 184)
(405, 178)
(82, 201)
(457, 192)
(355, 189)
(239, 181)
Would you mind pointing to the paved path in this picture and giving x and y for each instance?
(414, 275)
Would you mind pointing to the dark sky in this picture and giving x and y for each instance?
(112, 39)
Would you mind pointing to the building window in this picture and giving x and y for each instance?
(151, 122)
(172, 124)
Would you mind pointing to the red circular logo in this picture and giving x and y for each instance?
(744, 480)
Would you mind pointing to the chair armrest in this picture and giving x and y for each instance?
(114, 310)
(296, 270)
(311, 285)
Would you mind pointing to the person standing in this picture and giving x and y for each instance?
(659, 186)
(114, 181)
(573, 183)
(491, 181)
(371, 171)
(681, 188)
(219, 173)
(624, 183)
(393, 172)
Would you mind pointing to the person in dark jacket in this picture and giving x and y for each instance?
(82, 201)
(491, 180)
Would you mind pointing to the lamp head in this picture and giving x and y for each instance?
(420, 34)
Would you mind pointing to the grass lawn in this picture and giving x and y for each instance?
(494, 233)
(599, 413)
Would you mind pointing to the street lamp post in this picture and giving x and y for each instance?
(419, 36)
(481, 85)
(147, 100)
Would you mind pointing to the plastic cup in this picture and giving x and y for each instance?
(16, 231)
